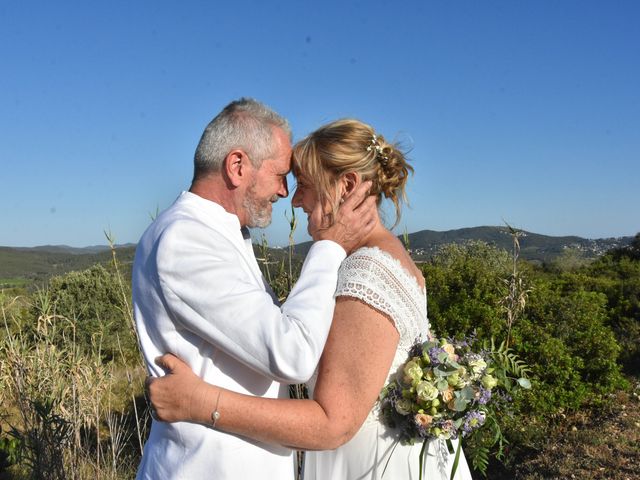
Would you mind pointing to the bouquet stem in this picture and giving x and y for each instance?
(425, 443)
(456, 460)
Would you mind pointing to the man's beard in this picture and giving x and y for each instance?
(258, 210)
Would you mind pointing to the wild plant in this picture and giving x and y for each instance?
(265, 257)
(293, 223)
(141, 418)
(66, 409)
(52, 388)
(287, 266)
(405, 239)
(492, 440)
(515, 300)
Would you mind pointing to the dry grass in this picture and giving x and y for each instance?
(68, 409)
(74, 416)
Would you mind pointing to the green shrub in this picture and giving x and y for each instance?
(564, 334)
(571, 350)
(617, 275)
(93, 300)
(464, 289)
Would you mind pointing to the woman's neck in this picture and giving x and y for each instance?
(375, 237)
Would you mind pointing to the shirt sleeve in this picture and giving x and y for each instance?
(211, 295)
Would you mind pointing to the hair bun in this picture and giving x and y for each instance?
(392, 172)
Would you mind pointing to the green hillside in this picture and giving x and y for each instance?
(534, 247)
(36, 265)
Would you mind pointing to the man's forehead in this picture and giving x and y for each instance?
(281, 138)
(289, 163)
(280, 164)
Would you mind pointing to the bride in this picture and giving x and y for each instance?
(380, 310)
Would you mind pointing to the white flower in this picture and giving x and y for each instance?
(477, 366)
(412, 371)
(489, 382)
(403, 406)
(426, 391)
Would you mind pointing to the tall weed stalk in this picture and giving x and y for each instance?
(65, 410)
(515, 300)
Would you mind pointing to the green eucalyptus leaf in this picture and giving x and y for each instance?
(460, 404)
(524, 383)
(442, 385)
(466, 393)
(454, 365)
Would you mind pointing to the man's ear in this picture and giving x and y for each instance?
(237, 166)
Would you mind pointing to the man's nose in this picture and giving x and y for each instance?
(284, 190)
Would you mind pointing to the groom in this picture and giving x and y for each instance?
(198, 292)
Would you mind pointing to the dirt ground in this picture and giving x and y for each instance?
(589, 445)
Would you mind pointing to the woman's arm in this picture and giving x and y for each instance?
(353, 368)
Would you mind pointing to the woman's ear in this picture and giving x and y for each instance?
(350, 181)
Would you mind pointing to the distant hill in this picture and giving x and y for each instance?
(534, 247)
(37, 264)
(71, 250)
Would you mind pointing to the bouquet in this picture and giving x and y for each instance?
(446, 390)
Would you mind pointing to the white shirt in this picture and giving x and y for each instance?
(198, 293)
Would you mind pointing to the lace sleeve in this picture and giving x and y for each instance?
(376, 278)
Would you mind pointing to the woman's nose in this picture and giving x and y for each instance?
(296, 201)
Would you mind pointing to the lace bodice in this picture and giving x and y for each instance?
(378, 279)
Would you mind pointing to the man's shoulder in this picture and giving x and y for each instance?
(184, 213)
(187, 228)
(190, 230)
(183, 209)
(179, 224)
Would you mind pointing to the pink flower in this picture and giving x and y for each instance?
(447, 395)
(451, 351)
(423, 420)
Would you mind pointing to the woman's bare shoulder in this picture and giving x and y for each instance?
(392, 246)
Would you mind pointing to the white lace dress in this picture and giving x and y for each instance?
(376, 278)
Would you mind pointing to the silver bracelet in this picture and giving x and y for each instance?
(215, 415)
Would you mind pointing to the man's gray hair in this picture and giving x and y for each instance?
(245, 124)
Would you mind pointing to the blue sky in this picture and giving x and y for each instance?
(527, 112)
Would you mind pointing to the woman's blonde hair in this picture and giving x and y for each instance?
(349, 145)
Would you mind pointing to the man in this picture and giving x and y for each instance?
(198, 292)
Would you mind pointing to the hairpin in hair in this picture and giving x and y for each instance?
(374, 145)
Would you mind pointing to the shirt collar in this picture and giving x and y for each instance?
(215, 211)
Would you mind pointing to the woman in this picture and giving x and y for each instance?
(380, 310)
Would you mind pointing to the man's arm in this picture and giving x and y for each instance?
(346, 390)
(212, 296)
